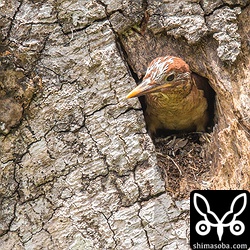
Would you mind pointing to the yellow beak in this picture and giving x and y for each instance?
(134, 93)
(145, 87)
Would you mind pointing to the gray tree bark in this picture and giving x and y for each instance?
(77, 167)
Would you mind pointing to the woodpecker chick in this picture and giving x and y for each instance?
(174, 96)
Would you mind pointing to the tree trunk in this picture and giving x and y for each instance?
(78, 168)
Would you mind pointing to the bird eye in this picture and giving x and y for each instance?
(170, 78)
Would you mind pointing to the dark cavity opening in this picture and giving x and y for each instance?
(182, 157)
(210, 96)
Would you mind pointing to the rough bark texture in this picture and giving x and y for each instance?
(78, 169)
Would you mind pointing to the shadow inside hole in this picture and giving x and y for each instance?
(209, 93)
(183, 157)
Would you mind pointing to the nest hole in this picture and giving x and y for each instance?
(182, 157)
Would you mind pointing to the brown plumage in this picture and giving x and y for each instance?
(175, 98)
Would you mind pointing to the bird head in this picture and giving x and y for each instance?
(164, 74)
